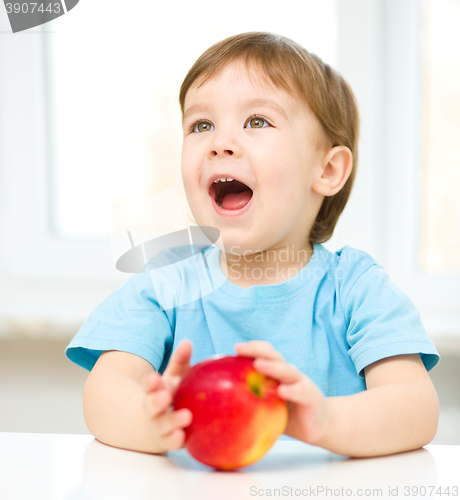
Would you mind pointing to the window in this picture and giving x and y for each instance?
(440, 236)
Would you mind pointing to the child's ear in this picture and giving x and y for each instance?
(335, 171)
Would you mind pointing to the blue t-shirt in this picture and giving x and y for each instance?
(336, 316)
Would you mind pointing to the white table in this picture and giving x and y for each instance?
(71, 467)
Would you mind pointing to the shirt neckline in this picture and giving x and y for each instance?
(264, 291)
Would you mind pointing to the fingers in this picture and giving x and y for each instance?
(294, 385)
(177, 367)
(280, 370)
(159, 404)
(152, 381)
(258, 348)
(173, 441)
(179, 364)
(167, 424)
(303, 392)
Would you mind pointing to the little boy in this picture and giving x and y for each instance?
(269, 158)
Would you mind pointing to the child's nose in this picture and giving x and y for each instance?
(224, 144)
(225, 151)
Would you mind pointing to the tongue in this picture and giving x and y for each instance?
(235, 201)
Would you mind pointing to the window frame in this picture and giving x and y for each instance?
(48, 284)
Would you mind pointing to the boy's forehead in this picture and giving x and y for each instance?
(230, 79)
(237, 71)
(251, 86)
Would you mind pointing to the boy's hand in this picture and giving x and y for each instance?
(309, 413)
(159, 392)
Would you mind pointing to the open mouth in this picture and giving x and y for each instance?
(230, 195)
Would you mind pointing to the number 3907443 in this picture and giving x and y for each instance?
(32, 7)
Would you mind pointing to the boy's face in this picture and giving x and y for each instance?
(278, 154)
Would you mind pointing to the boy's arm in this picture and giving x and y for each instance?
(398, 412)
(127, 405)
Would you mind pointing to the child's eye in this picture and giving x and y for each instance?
(201, 125)
(258, 122)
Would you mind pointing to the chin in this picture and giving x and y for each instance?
(234, 240)
(239, 247)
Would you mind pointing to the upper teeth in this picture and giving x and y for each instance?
(223, 179)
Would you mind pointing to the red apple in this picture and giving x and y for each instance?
(237, 413)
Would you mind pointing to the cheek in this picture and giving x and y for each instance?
(277, 170)
(189, 168)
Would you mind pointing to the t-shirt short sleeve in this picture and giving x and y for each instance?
(382, 320)
(130, 320)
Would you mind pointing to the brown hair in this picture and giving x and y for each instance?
(291, 67)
